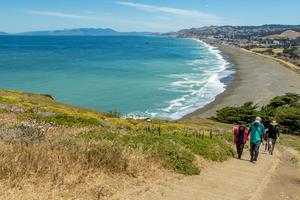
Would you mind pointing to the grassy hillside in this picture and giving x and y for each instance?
(44, 142)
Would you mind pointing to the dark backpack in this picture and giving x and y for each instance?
(273, 131)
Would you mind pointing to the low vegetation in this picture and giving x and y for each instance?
(177, 150)
(69, 149)
(43, 141)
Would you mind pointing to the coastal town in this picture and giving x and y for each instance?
(279, 41)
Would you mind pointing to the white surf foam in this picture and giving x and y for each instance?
(199, 88)
(207, 93)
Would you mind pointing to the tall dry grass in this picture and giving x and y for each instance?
(39, 159)
(25, 152)
(60, 167)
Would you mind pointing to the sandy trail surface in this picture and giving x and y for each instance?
(285, 182)
(233, 180)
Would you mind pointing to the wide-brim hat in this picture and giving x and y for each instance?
(274, 122)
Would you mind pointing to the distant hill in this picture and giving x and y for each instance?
(85, 32)
(238, 32)
(290, 34)
(3, 33)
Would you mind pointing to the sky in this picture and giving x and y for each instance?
(141, 15)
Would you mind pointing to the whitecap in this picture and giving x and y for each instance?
(207, 89)
(198, 89)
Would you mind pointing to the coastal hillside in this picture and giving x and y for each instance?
(281, 42)
(240, 32)
(289, 34)
(51, 148)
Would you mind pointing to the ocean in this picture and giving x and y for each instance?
(139, 77)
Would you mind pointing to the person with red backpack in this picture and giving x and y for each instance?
(241, 135)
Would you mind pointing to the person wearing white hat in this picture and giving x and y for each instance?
(256, 131)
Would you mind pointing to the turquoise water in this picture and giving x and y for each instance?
(137, 76)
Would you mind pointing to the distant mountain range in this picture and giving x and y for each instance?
(84, 32)
(221, 31)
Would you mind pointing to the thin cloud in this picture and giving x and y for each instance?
(169, 10)
(58, 14)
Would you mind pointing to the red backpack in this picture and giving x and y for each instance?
(236, 132)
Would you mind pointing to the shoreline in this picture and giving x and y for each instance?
(220, 97)
(250, 81)
(224, 77)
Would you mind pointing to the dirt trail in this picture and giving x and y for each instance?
(233, 180)
(284, 184)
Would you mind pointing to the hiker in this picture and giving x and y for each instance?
(256, 131)
(240, 138)
(265, 141)
(273, 135)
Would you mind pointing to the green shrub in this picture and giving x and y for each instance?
(289, 119)
(285, 109)
(215, 149)
(164, 148)
(180, 160)
(289, 99)
(245, 113)
(177, 150)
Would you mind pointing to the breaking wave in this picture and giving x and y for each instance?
(198, 88)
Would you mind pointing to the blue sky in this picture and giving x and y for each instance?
(141, 15)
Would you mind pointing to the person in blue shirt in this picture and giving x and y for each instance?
(256, 131)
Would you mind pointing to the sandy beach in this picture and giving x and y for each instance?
(256, 79)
